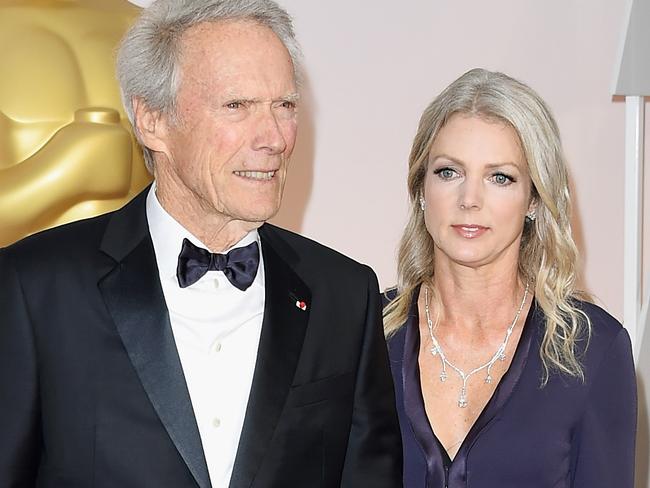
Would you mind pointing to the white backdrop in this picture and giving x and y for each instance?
(372, 67)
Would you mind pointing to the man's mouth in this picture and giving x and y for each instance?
(256, 175)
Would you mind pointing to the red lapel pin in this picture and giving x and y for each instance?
(301, 305)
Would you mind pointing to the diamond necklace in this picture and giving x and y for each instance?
(500, 354)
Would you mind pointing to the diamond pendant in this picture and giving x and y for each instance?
(462, 400)
(499, 354)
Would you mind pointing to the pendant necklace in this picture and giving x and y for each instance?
(499, 355)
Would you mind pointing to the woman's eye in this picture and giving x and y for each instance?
(445, 173)
(502, 179)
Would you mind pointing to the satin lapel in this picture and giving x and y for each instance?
(135, 300)
(283, 331)
(499, 398)
(413, 400)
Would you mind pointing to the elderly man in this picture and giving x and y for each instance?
(181, 341)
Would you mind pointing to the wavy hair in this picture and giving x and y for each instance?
(147, 59)
(548, 254)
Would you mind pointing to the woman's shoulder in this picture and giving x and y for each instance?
(607, 338)
(388, 295)
(604, 327)
(395, 340)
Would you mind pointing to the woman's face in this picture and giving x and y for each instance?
(477, 192)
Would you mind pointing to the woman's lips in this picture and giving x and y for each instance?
(470, 231)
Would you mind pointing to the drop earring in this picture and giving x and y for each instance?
(422, 203)
(531, 216)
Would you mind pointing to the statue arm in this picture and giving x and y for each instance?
(88, 159)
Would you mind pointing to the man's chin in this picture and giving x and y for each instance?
(259, 216)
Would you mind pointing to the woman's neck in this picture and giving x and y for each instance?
(472, 298)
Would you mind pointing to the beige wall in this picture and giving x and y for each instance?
(373, 65)
(371, 69)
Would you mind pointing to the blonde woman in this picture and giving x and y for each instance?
(504, 376)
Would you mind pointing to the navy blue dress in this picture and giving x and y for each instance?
(568, 434)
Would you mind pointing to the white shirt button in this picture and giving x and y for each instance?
(216, 422)
(216, 347)
(216, 283)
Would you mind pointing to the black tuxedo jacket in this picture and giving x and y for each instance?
(92, 392)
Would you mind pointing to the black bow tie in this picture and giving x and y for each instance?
(239, 265)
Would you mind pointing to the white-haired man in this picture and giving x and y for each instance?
(181, 341)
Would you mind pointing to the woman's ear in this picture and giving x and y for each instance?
(532, 210)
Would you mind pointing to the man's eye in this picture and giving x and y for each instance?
(234, 105)
(288, 105)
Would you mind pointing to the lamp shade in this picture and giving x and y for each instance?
(634, 63)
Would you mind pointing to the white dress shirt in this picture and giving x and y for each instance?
(217, 331)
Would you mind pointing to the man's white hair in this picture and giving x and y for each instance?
(148, 56)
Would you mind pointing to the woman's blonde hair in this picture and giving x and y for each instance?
(548, 254)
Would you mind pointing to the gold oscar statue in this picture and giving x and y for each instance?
(66, 150)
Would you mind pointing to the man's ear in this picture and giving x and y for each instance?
(151, 127)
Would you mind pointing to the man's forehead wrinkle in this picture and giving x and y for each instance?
(238, 95)
(200, 78)
(193, 84)
(214, 70)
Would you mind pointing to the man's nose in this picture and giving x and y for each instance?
(269, 136)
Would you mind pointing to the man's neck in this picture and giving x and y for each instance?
(214, 230)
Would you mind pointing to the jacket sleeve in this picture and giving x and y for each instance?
(374, 453)
(20, 438)
(605, 438)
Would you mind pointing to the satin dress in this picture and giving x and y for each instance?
(567, 434)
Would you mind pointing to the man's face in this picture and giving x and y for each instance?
(228, 150)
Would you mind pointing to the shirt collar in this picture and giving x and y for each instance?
(167, 235)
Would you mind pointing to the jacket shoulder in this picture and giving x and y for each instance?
(69, 243)
(64, 241)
